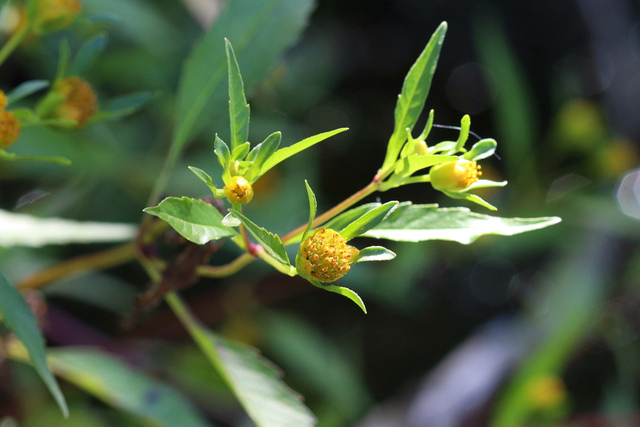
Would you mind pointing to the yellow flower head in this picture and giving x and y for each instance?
(325, 256)
(454, 176)
(9, 129)
(238, 190)
(3, 100)
(54, 15)
(80, 101)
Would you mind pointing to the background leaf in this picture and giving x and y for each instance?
(18, 317)
(195, 220)
(416, 223)
(112, 381)
(25, 89)
(259, 31)
(12, 157)
(26, 230)
(255, 381)
(87, 54)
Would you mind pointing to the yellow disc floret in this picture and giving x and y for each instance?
(238, 190)
(454, 176)
(9, 129)
(54, 15)
(325, 256)
(80, 101)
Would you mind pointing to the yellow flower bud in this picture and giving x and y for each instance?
(421, 148)
(3, 100)
(80, 101)
(54, 15)
(546, 391)
(239, 190)
(9, 129)
(454, 176)
(325, 256)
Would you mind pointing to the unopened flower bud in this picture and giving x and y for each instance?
(9, 129)
(54, 15)
(454, 176)
(421, 148)
(325, 256)
(239, 190)
(80, 101)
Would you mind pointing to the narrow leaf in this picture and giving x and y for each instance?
(269, 241)
(284, 153)
(375, 253)
(260, 31)
(346, 292)
(18, 317)
(115, 383)
(27, 230)
(254, 380)
(25, 89)
(195, 220)
(417, 163)
(313, 209)
(12, 157)
(414, 94)
(260, 154)
(88, 54)
(204, 177)
(222, 151)
(238, 107)
(347, 217)
(481, 150)
(416, 223)
(368, 221)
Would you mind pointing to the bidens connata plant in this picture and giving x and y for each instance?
(327, 247)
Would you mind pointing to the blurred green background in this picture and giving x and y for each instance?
(537, 329)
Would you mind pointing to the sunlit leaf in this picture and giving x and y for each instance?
(27, 230)
(367, 221)
(416, 223)
(346, 292)
(375, 253)
(195, 220)
(18, 317)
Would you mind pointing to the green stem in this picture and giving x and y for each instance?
(372, 187)
(228, 269)
(13, 42)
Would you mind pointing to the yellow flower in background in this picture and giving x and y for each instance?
(80, 101)
(9, 129)
(54, 15)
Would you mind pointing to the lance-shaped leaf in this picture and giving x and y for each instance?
(284, 153)
(416, 223)
(346, 292)
(414, 94)
(238, 108)
(253, 379)
(375, 253)
(195, 220)
(112, 381)
(88, 54)
(367, 221)
(12, 157)
(204, 177)
(260, 154)
(313, 209)
(18, 317)
(269, 241)
(27, 230)
(222, 151)
(347, 217)
(25, 89)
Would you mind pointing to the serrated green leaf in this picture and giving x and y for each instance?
(260, 154)
(346, 292)
(260, 32)
(417, 223)
(368, 221)
(414, 94)
(253, 379)
(27, 230)
(239, 111)
(284, 153)
(195, 220)
(269, 241)
(481, 150)
(25, 89)
(88, 54)
(18, 317)
(12, 157)
(375, 253)
(111, 380)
